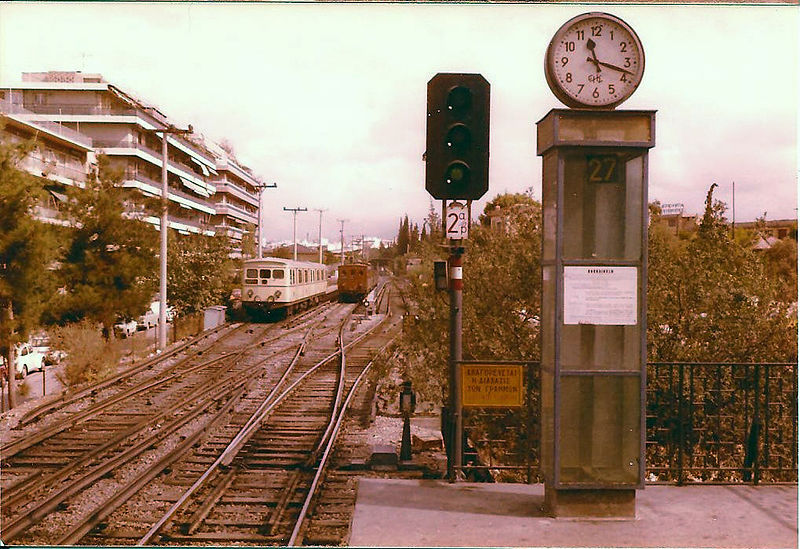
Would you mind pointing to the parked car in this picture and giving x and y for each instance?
(125, 328)
(29, 359)
(41, 342)
(150, 317)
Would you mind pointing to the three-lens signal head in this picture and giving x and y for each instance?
(457, 155)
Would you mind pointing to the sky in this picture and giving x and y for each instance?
(328, 99)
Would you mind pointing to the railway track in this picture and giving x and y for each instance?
(109, 428)
(222, 445)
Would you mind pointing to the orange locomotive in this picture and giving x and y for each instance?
(355, 282)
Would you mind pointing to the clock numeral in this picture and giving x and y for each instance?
(611, 89)
(627, 62)
(580, 88)
(569, 77)
(623, 47)
(564, 61)
(612, 35)
(623, 78)
(580, 34)
(569, 46)
(595, 93)
(597, 31)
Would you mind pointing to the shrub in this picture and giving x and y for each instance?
(90, 358)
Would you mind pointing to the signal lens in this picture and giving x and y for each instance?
(459, 138)
(459, 99)
(457, 174)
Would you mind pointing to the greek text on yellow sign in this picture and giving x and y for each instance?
(491, 385)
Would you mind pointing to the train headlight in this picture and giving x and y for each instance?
(277, 294)
(250, 293)
(256, 298)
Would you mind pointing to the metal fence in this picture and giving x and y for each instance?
(721, 422)
(706, 423)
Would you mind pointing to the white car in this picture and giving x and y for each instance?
(125, 329)
(150, 317)
(29, 359)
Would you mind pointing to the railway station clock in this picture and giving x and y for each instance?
(595, 60)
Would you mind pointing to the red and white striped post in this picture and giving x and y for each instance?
(457, 426)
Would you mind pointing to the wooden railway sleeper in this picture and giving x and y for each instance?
(52, 503)
(209, 503)
(113, 503)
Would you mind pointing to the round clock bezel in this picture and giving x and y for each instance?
(553, 81)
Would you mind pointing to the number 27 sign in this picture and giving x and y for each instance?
(457, 221)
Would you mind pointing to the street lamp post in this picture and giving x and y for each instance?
(261, 187)
(164, 228)
(294, 226)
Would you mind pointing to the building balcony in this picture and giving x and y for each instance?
(152, 187)
(18, 112)
(232, 210)
(36, 165)
(237, 191)
(86, 110)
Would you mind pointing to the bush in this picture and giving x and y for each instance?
(90, 358)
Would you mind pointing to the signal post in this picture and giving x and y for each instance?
(457, 168)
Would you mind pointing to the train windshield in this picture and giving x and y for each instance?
(252, 273)
(265, 273)
(277, 273)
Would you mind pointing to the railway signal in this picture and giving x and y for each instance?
(457, 144)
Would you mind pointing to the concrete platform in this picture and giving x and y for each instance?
(435, 513)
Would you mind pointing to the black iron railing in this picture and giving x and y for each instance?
(721, 422)
(706, 423)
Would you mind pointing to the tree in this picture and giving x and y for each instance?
(711, 299)
(507, 202)
(109, 270)
(27, 250)
(501, 303)
(403, 237)
(200, 272)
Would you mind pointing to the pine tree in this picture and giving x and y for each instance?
(110, 267)
(27, 249)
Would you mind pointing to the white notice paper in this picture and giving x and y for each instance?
(600, 295)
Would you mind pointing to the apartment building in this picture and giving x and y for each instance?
(209, 190)
(236, 199)
(61, 156)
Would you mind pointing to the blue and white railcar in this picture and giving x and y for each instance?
(272, 283)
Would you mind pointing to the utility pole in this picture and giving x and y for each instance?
(733, 209)
(294, 228)
(164, 228)
(320, 210)
(341, 234)
(261, 188)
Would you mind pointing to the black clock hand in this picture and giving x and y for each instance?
(610, 66)
(590, 44)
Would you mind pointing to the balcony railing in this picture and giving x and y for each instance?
(132, 144)
(137, 176)
(89, 110)
(34, 163)
(220, 206)
(6, 107)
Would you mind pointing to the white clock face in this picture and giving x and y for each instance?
(594, 60)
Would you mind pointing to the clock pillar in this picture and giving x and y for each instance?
(594, 311)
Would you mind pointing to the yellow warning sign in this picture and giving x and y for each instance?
(491, 385)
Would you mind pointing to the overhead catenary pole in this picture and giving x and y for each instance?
(294, 225)
(164, 229)
(261, 187)
(341, 234)
(320, 210)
